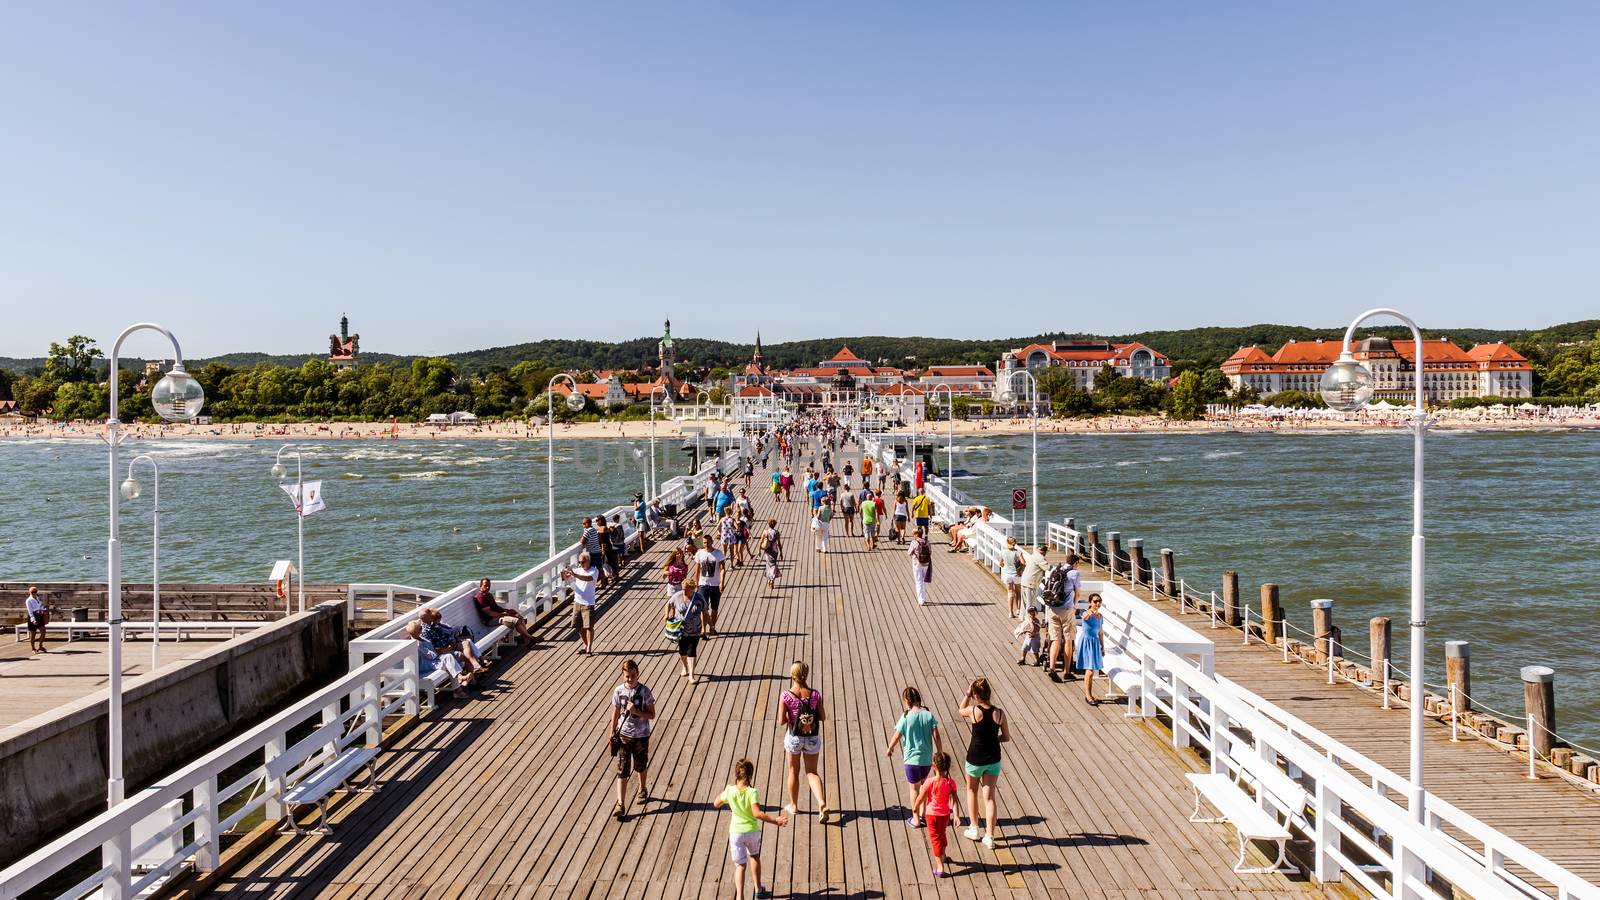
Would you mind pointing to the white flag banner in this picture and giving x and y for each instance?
(313, 502)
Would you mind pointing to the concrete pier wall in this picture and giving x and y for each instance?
(53, 767)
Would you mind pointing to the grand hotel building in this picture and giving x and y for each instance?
(1449, 372)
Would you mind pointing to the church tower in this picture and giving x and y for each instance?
(758, 364)
(667, 358)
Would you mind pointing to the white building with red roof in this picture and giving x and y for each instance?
(1448, 372)
(1083, 359)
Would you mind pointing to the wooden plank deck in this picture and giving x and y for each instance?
(508, 795)
(39, 683)
(1557, 819)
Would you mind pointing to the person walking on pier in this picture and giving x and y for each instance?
(1090, 650)
(744, 831)
(847, 509)
(983, 756)
(675, 571)
(935, 800)
(1011, 577)
(38, 621)
(902, 512)
(917, 736)
(921, 553)
(801, 714)
(681, 620)
(821, 523)
(771, 553)
(922, 508)
(594, 542)
(1061, 611)
(871, 512)
(708, 581)
(786, 481)
(1033, 566)
(633, 707)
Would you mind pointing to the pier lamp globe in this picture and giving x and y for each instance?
(177, 397)
(575, 401)
(131, 489)
(278, 471)
(1347, 384)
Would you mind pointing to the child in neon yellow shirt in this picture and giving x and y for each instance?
(744, 831)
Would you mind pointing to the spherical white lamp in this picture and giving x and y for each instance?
(177, 397)
(130, 489)
(575, 401)
(1347, 384)
(278, 471)
(1008, 396)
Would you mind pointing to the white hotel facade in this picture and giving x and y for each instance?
(1449, 372)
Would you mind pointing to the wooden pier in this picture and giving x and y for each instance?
(508, 794)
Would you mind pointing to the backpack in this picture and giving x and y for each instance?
(805, 719)
(1052, 590)
(924, 554)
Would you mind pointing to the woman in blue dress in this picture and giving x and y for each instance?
(1089, 651)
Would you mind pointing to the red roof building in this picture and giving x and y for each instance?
(1449, 372)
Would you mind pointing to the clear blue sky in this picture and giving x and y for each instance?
(464, 175)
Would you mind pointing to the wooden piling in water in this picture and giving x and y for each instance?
(1458, 674)
(1092, 544)
(1539, 699)
(1114, 553)
(1169, 575)
(1380, 634)
(1230, 598)
(1138, 569)
(1322, 629)
(1271, 614)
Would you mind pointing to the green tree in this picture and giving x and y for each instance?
(79, 400)
(6, 381)
(1188, 397)
(1294, 400)
(74, 360)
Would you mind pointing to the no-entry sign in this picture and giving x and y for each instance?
(1019, 498)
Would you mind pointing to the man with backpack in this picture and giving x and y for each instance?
(921, 553)
(1059, 593)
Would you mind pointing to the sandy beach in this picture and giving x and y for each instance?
(503, 430)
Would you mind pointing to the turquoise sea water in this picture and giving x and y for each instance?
(1512, 565)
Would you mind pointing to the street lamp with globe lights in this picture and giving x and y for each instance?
(131, 490)
(177, 397)
(278, 471)
(666, 392)
(1011, 396)
(950, 441)
(1347, 386)
(575, 404)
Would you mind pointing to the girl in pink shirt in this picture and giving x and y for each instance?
(934, 803)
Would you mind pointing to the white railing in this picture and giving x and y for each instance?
(1357, 831)
(537, 590)
(1488, 848)
(389, 592)
(148, 837)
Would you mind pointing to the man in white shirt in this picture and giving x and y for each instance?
(582, 580)
(708, 569)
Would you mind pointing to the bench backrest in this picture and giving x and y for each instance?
(1264, 775)
(279, 767)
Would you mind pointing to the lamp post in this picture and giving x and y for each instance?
(950, 445)
(663, 389)
(1010, 396)
(177, 398)
(700, 404)
(130, 491)
(278, 472)
(574, 403)
(1347, 385)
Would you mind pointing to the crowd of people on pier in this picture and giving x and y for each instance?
(840, 488)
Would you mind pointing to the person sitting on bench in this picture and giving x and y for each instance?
(429, 659)
(446, 640)
(493, 613)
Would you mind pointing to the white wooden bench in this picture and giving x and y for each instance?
(315, 785)
(1253, 818)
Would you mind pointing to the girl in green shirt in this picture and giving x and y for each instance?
(744, 831)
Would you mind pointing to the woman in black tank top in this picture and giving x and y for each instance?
(983, 757)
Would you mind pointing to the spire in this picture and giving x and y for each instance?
(344, 326)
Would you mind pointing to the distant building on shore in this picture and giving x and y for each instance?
(344, 347)
(1448, 372)
(1083, 359)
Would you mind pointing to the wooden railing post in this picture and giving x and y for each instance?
(1114, 553)
(1136, 564)
(1322, 628)
(1458, 675)
(1169, 575)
